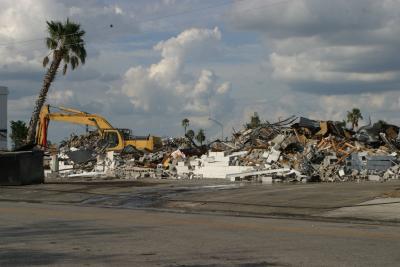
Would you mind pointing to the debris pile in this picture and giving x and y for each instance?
(294, 149)
(86, 141)
(300, 149)
(79, 154)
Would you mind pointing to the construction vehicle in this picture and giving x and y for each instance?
(116, 139)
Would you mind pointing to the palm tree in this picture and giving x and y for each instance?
(353, 116)
(200, 137)
(67, 46)
(185, 123)
(254, 121)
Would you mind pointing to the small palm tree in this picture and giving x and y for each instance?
(190, 134)
(185, 123)
(200, 137)
(353, 117)
(67, 46)
(254, 121)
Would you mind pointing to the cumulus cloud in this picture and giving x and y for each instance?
(23, 28)
(22, 48)
(62, 98)
(328, 47)
(374, 105)
(166, 88)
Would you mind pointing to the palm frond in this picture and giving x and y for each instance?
(66, 57)
(74, 62)
(45, 61)
(51, 43)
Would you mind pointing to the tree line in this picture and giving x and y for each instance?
(200, 136)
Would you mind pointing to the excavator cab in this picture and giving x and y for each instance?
(126, 133)
(113, 139)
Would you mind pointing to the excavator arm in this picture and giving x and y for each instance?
(68, 115)
(115, 137)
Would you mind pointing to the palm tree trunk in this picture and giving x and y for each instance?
(48, 79)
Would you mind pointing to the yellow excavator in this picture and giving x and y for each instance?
(116, 139)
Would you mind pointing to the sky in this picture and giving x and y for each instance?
(152, 63)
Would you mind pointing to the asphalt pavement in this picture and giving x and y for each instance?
(199, 223)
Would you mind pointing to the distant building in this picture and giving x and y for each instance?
(3, 117)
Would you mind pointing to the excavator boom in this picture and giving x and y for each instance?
(71, 116)
(107, 131)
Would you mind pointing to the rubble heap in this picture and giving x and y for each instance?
(86, 141)
(294, 149)
(300, 149)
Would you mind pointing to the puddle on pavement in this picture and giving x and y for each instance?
(153, 197)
